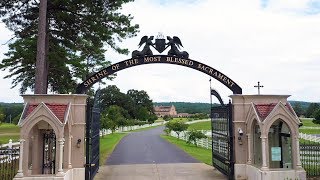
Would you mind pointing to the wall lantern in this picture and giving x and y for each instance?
(78, 143)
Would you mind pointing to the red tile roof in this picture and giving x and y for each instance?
(264, 110)
(58, 110)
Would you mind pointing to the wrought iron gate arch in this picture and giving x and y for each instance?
(93, 110)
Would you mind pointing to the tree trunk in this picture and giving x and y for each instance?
(41, 65)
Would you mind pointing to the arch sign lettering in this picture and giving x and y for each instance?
(145, 56)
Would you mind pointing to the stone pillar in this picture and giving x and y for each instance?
(20, 171)
(61, 144)
(298, 165)
(249, 148)
(264, 152)
(69, 153)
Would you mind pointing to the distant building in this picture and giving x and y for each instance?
(184, 115)
(161, 111)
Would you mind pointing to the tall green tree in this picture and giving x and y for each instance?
(142, 113)
(316, 115)
(77, 32)
(312, 108)
(298, 108)
(2, 115)
(141, 98)
(111, 95)
(113, 118)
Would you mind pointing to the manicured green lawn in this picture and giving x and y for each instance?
(107, 144)
(309, 123)
(159, 120)
(9, 131)
(201, 126)
(201, 154)
(180, 119)
(9, 128)
(310, 131)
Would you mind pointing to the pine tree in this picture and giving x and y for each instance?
(77, 34)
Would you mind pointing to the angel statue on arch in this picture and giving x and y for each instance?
(175, 44)
(146, 51)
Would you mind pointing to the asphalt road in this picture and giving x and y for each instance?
(147, 147)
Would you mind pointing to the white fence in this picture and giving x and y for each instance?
(129, 128)
(205, 142)
(196, 121)
(9, 152)
(219, 146)
(309, 137)
(10, 145)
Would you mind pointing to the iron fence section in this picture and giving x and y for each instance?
(9, 162)
(310, 158)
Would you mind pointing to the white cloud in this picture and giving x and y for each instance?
(242, 39)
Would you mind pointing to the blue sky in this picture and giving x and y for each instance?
(276, 42)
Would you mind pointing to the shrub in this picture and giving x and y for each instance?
(194, 135)
(177, 126)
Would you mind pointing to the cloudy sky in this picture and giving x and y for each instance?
(276, 42)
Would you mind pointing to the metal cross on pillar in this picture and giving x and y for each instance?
(258, 86)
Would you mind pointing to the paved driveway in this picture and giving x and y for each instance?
(146, 156)
(147, 147)
(174, 171)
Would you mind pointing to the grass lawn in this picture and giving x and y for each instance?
(201, 126)
(199, 153)
(159, 120)
(310, 131)
(9, 128)
(180, 119)
(9, 131)
(107, 144)
(309, 123)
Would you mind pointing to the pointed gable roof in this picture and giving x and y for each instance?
(59, 110)
(263, 110)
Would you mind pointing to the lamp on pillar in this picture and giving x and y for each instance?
(78, 143)
(240, 135)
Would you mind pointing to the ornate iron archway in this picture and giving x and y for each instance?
(146, 57)
(176, 57)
